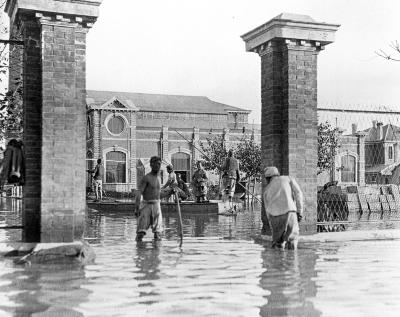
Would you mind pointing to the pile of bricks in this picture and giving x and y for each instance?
(356, 203)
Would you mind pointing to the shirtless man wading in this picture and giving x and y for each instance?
(149, 210)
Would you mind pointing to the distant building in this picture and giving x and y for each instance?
(126, 129)
(370, 156)
(382, 154)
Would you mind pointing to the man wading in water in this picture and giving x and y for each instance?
(150, 212)
(230, 175)
(283, 203)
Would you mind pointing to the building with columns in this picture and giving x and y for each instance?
(126, 129)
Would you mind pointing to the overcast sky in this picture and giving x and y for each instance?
(193, 47)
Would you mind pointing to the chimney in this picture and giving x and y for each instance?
(379, 131)
(354, 128)
(374, 123)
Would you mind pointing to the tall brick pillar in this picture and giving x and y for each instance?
(195, 145)
(132, 150)
(361, 156)
(164, 143)
(54, 62)
(288, 46)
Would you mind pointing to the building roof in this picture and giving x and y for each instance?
(383, 169)
(162, 103)
(390, 132)
(363, 108)
(344, 115)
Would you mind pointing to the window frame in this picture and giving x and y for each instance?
(355, 157)
(114, 115)
(390, 152)
(116, 149)
(189, 172)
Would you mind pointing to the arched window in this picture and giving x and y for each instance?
(89, 166)
(181, 164)
(115, 167)
(348, 174)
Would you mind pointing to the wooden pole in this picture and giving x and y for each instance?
(180, 229)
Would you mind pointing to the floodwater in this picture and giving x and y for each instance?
(219, 271)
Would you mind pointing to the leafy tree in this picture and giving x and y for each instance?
(328, 143)
(248, 152)
(214, 153)
(11, 77)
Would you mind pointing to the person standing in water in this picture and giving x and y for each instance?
(98, 174)
(148, 210)
(199, 183)
(283, 203)
(230, 175)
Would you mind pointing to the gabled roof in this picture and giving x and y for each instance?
(390, 132)
(161, 103)
(112, 103)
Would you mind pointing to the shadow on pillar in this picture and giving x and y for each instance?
(54, 97)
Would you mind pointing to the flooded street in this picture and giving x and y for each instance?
(220, 271)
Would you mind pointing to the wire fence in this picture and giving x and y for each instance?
(362, 184)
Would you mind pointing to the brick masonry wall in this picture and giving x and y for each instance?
(32, 129)
(63, 127)
(133, 149)
(361, 160)
(146, 141)
(289, 117)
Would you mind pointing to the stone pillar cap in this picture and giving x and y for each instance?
(291, 26)
(88, 8)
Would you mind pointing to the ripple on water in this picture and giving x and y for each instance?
(219, 271)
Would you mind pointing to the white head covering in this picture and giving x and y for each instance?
(271, 171)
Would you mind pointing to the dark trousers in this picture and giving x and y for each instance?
(285, 229)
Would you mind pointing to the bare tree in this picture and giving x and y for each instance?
(395, 52)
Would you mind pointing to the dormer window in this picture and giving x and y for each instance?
(390, 152)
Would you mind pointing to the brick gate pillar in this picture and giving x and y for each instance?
(288, 46)
(54, 35)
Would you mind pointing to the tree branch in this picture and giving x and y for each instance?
(394, 46)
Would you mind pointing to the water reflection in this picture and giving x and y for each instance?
(123, 225)
(288, 277)
(42, 291)
(220, 271)
(10, 215)
(147, 260)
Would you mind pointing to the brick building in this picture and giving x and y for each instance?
(126, 129)
(370, 156)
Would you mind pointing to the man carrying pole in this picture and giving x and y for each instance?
(149, 209)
